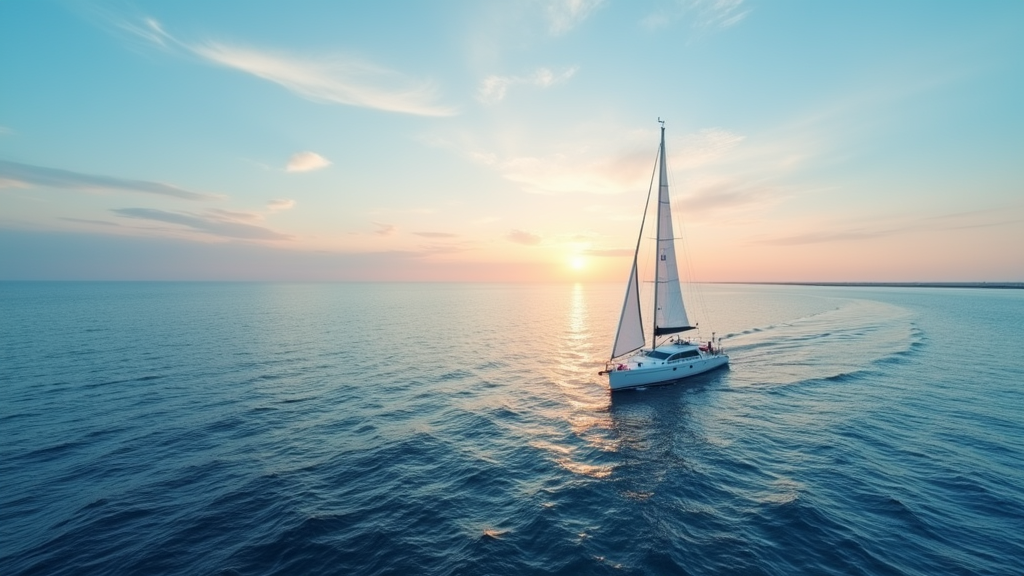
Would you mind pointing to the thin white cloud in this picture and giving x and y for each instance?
(564, 15)
(522, 237)
(385, 229)
(724, 13)
(6, 130)
(306, 162)
(827, 236)
(608, 252)
(336, 79)
(701, 14)
(236, 215)
(560, 173)
(625, 164)
(704, 147)
(207, 224)
(493, 88)
(15, 174)
(280, 204)
(92, 222)
(252, 215)
(875, 227)
(436, 234)
(148, 30)
(436, 248)
(717, 194)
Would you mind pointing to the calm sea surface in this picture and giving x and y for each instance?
(208, 428)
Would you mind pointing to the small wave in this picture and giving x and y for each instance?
(147, 378)
(52, 452)
(455, 375)
(98, 503)
(296, 400)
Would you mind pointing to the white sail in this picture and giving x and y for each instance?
(669, 315)
(630, 334)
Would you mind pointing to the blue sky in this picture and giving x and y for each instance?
(509, 141)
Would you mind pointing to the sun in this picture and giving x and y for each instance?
(577, 262)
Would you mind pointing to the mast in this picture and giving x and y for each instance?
(669, 314)
(669, 311)
(657, 235)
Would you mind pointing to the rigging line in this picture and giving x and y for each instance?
(636, 253)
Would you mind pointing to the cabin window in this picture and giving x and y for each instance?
(658, 355)
(681, 355)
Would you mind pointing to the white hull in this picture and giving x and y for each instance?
(649, 375)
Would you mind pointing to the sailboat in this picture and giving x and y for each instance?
(670, 357)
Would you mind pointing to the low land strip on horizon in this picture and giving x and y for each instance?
(1002, 285)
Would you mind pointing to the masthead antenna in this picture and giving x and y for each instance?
(661, 121)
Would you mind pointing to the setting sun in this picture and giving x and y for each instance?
(577, 262)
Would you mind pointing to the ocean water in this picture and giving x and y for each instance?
(222, 428)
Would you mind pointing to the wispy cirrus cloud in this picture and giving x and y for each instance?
(385, 229)
(335, 78)
(92, 222)
(437, 248)
(523, 237)
(436, 234)
(608, 252)
(624, 164)
(729, 194)
(147, 29)
(872, 228)
(236, 215)
(493, 88)
(211, 224)
(824, 236)
(564, 15)
(280, 204)
(252, 215)
(18, 175)
(565, 173)
(306, 162)
(703, 14)
(703, 147)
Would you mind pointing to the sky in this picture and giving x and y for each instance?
(510, 141)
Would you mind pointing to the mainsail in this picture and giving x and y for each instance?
(669, 313)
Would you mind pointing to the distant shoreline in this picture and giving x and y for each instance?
(999, 285)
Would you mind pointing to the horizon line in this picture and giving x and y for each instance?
(850, 284)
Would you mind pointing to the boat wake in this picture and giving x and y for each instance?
(856, 336)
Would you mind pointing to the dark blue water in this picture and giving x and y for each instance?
(462, 429)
